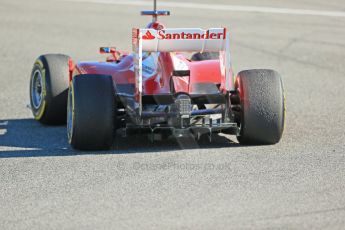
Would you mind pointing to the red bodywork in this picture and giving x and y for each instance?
(122, 73)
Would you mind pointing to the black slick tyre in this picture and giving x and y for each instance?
(48, 89)
(91, 112)
(262, 106)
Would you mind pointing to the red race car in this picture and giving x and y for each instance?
(176, 81)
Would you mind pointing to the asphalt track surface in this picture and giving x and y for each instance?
(296, 184)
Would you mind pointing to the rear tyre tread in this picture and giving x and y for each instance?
(262, 106)
(91, 112)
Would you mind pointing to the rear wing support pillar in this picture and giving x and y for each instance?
(140, 73)
(138, 68)
(227, 64)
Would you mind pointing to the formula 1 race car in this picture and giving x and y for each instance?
(177, 81)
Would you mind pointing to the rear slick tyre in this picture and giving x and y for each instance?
(262, 101)
(91, 112)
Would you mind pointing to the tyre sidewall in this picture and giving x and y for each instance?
(52, 110)
(40, 111)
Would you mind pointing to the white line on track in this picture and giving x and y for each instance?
(222, 7)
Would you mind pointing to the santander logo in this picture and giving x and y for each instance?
(148, 36)
(162, 35)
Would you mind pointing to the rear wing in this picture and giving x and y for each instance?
(179, 40)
